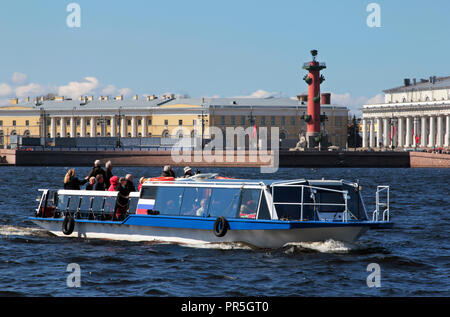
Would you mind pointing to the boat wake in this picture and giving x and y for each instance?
(6, 230)
(329, 246)
(222, 246)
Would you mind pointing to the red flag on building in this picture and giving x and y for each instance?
(254, 131)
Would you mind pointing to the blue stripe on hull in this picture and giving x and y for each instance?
(202, 223)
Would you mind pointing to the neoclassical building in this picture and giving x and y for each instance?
(163, 117)
(416, 114)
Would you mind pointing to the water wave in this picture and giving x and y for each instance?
(6, 230)
(328, 246)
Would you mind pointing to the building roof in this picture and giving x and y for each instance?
(422, 84)
(143, 103)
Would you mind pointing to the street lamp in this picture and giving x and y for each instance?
(119, 119)
(203, 121)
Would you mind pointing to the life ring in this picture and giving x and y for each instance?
(220, 227)
(68, 225)
(162, 178)
(223, 177)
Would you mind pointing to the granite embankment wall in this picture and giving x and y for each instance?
(239, 159)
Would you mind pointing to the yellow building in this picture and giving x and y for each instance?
(163, 117)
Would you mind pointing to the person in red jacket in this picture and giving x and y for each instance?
(114, 184)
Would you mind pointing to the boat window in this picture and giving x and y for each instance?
(195, 201)
(224, 202)
(290, 198)
(168, 200)
(249, 203)
(264, 209)
(110, 204)
(73, 204)
(149, 192)
(132, 205)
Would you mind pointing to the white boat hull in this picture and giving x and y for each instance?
(273, 238)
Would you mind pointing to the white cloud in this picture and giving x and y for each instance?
(125, 91)
(88, 85)
(260, 93)
(109, 90)
(376, 100)
(32, 89)
(76, 88)
(112, 90)
(19, 78)
(354, 104)
(5, 90)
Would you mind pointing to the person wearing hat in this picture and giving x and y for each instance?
(187, 172)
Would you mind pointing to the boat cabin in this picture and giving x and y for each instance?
(297, 200)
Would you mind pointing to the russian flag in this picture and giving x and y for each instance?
(144, 205)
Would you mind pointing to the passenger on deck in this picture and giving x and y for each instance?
(108, 173)
(97, 169)
(114, 181)
(141, 181)
(100, 182)
(91, 184)
(130, 184)
(72, 182)
(168, 171)
(187, 172)
(122, 200)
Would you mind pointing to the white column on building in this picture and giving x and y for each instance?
(408, 137)
(371, 134)
(93, 127)
(386, 132)
(63, 127)
(72, 127)
(447, 131)
(113, 126)
(379, 132)
(133, 127)
(52, 127)
(123, 127)
(83, 127)
(440, 131)
(364, 134)
(423, 132)
(401, 132)
(431, 139)
(144, 126)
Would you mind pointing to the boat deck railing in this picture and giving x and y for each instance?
(80, 203)
(381, 207)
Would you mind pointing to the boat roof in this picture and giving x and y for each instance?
(265, 182)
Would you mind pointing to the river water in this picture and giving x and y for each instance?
(413, 258)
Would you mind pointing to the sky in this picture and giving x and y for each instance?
(219, 48)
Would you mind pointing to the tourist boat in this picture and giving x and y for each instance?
(212, 209)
